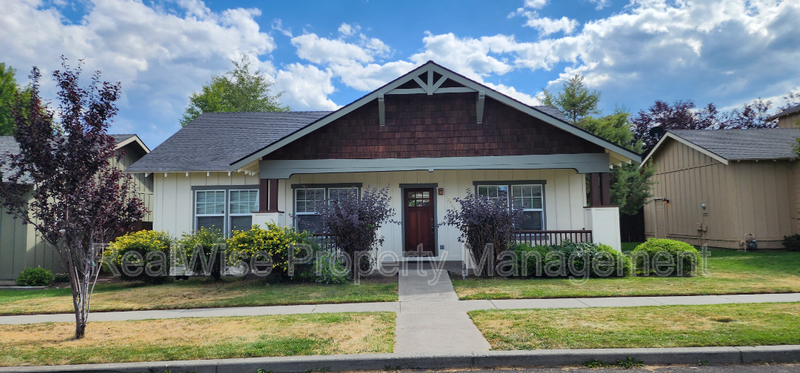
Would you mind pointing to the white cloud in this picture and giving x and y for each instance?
(159, 56)
(277, 25)
(600, 3)
(535, 4)
(547, 26)
(305, 87)
(348, 30)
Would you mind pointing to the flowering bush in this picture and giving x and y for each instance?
(330, 268)
(212, 242)
(273, 240)
(139, 248)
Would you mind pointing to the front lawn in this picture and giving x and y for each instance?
(201, 293)
(197, 338)
(630, 327)
(730, 272)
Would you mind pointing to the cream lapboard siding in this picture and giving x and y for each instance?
(173, 200)
(21, 247)
(564, 193)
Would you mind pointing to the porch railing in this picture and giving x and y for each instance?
(535, 238)
(323, 240)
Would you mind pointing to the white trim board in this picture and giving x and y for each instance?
(431, 67)
(582, 163)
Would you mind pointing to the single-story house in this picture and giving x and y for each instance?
(429, 135)
(788, 118)
(21, 246)
(723, 188)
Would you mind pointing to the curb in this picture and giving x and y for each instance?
(487, 359)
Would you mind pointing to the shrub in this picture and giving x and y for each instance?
(680, 254)
(273, 240)
(792, 242)
(150, 248)
(60, 277)
(605, 261)
(482, 221)
(353, 221)
(35, 277)
(212, 242)
(330, 268)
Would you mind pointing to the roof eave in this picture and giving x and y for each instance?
(670, 135)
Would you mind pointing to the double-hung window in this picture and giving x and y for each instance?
(526, 195)
(308, 197)
(225, 209)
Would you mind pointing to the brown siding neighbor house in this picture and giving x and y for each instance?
(724, 187)
(22, 247)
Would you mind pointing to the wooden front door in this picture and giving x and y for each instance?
(419, 224)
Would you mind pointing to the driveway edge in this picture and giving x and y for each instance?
(487, 359)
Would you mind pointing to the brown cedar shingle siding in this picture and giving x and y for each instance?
(444, 125)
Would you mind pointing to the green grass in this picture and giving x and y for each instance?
(198, 338)
(729, 272)
(195, 294)
(627, 327)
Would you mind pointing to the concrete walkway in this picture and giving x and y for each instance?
(430, 318)
(410, 305)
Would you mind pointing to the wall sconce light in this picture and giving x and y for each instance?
(441, 191)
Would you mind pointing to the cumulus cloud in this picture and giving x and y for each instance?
(160, 56)
(305, 87)
(545, 25)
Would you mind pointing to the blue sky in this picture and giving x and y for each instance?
(325, 54)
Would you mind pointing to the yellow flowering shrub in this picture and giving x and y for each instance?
(142, 242)
(272, 239)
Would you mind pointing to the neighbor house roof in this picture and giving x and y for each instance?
(737, 145)
(8, 145)
(790, 110)
(215, 140)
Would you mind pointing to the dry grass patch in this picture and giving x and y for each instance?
(197, 338)
(663, 326)
(196, 294)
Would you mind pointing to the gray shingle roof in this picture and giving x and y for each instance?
(552, 111)
(790, 110)
(771, 143)
(215, 140)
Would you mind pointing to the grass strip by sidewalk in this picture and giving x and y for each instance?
(198, 338)
(201, 293)
(631, 327)
(729, 272)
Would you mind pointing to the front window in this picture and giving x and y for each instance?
(529, 197)
(225, 210)
(306, 200)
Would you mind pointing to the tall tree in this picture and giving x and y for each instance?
(630, 185)
(242, 89)
(575, 101)
(8, 88)
(63, 183)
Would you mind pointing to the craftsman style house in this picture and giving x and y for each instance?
(429, 135)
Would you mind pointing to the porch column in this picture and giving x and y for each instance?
(268, 195)
(600, 189)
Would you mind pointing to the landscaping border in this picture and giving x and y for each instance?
(486, 359)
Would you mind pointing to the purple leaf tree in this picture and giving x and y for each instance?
(63, 182)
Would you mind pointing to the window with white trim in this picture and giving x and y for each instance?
(224, 209)
(306, 201)
(242, 205)
(529, 197)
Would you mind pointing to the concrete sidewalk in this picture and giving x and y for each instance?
(430, 317)
(410, 306)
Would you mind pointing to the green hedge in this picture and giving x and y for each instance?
(683, 258)
(604, 261)
(144, 245)
(35, 277)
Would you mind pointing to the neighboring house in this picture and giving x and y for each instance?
(21, 246)
(789, 118)
(724, 187)
(429, 135)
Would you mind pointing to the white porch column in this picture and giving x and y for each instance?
(604, 224)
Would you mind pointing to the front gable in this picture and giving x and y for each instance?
(433, 126)
(450, 105)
